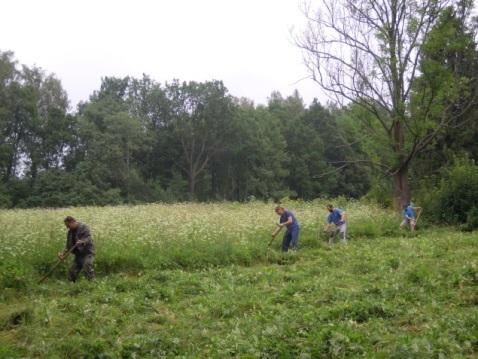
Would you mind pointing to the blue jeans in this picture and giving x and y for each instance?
(291, 237)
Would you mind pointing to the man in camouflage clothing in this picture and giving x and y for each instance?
(79, 236)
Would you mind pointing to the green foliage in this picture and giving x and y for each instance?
(56, 188)
(339, 173)
(136, 141)
(14, 276)
(454, 200)
(188, 290)
(5, 199)
(380, 226)
(381, 192)
(261, 142)
(472, 219)
(304, 146)
(449, 65)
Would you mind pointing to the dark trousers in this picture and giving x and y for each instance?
(84, 263)
(291, 237)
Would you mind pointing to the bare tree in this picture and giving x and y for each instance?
(368, 52)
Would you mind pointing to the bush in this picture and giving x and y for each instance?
(5, 200)
(381, 192)
(57, 188)
(455, 198)
(471, 219)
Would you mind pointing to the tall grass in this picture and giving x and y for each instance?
(164, 236)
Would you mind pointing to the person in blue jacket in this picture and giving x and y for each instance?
(337, 217)
(408, 214)
(291, 236)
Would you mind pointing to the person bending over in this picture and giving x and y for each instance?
(79, 237)
(337, 217)
(408, 214)
(291, 236)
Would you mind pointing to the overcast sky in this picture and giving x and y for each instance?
(245, 43)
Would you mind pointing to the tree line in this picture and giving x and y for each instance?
(136, 140)
(410, 113)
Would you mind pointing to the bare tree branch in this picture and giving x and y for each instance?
(369, 53)
(323, 174)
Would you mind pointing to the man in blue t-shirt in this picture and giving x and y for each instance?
(288, 220)
(408, 217)
(337, 217)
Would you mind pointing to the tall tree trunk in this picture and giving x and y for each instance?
(11, 167)
(192, 187)
(127, 171)
(34, 173)
(401, 188)
(214, 181)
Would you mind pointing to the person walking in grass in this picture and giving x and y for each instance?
(336, 217)
(291, 236)
(79, 236)
(408, 214)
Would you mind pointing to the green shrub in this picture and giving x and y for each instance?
(5, 199)
(455, 199)
(472, 219)
(384, 224)
(381, 192)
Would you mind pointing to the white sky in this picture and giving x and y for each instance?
(245, 43)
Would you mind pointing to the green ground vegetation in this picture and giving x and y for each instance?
(386, 294)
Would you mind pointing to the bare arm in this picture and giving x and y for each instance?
(289, 221)
(342, 216)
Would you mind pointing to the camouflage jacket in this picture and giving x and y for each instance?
(82, 232)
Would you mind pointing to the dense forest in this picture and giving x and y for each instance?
(136, 140)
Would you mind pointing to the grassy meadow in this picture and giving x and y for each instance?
(198, 280)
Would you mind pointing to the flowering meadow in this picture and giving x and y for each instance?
(177, 235)
(198, 280)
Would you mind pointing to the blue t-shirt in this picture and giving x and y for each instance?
(285, 216)
(334, 217)
(408, 212)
